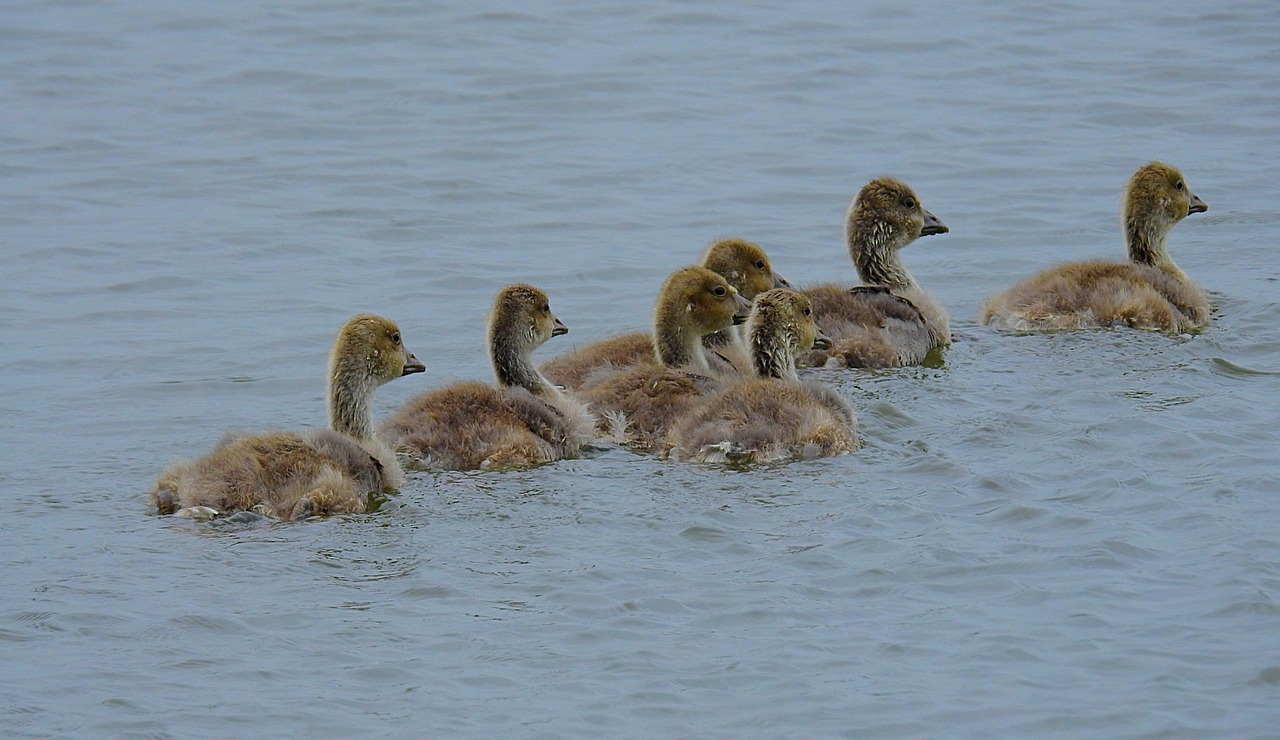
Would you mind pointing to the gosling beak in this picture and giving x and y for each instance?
(822, 341)
(412, 364)
(743, 309)
(559, 329)
(1197, 205)
(933, 225)
(780, 282)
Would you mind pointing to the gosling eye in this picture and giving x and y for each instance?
(546, 307)
(808, 312)
(1178, 185)
(759, 264)
(719, 291)
(908, 202)
(395, 338)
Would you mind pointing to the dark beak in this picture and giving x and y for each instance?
(559, 329)
(780, 282)
(744, 310)
(822, 342)
(1197, 205)
(412, 364)
(932, 225)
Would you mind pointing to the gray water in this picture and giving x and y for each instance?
(1062, 535)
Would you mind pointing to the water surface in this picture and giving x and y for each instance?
(1061, 535)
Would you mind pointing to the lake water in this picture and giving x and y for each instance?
(1063, 535)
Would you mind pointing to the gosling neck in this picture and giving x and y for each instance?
(350, 388)
(1146, 241)
(873, 247)
(513, 365)
(676, 342)
(771, 353)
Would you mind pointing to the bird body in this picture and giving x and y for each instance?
(637, 404)
(773, 416)
(889, 320)
(293, 475)
(523, 420)
(1149, 291)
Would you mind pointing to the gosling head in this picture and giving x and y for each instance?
(1155, 198)
(782, 327)
(745, 265)
(886, 216)
(702, 300)
(886, 212)
(522, 316)
(694, 302)
(370, 348)
(1159, 192)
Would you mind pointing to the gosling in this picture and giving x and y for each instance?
(295, 475)
(638, 404)
(889, 320)
(742, 263)
(775, 416)
(524, 420)
(1148, 292)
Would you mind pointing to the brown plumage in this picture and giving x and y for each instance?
(295, 475)
(571, 369)
(1147, 292)
(637, 404)
(889, 320)
(774, 416)
(742, 263)
(524, 420)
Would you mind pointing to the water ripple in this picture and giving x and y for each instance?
(1078, 524)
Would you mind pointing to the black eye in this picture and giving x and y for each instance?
(808, 312)
(908, 202)
(546, 307)
(395, 338)
(1179, 185)
(759, 264)
(719, 290)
